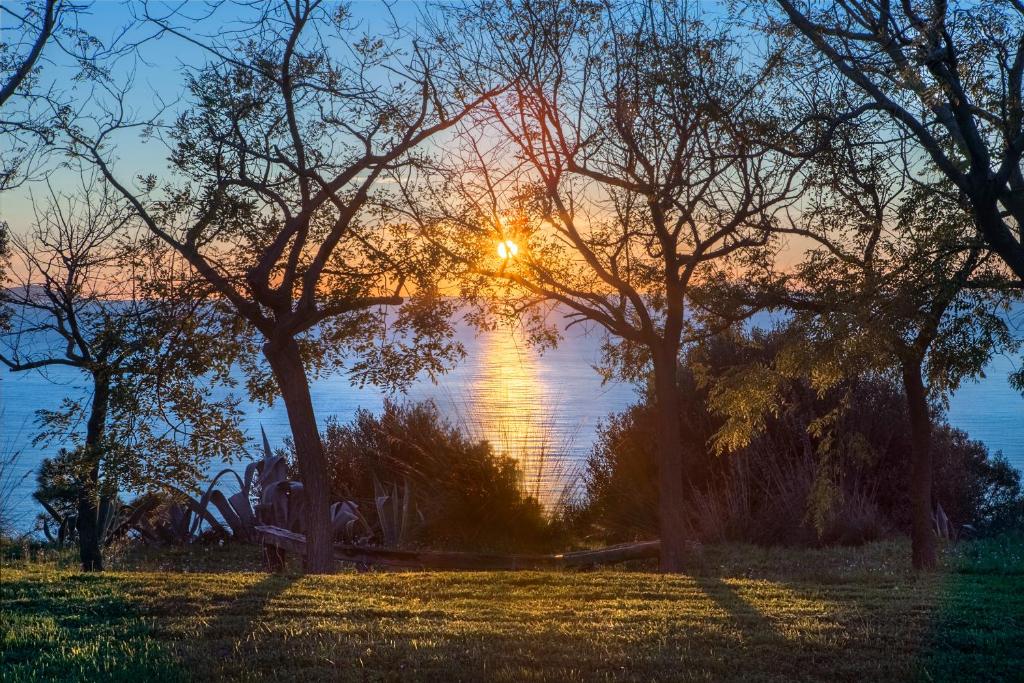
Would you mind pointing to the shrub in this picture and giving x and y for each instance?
(463, 494)
(823, 469)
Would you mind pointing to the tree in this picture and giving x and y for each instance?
(31, 34)
(19, 58)
(947, 75)
(279, 203)
(895, 280)
(36, 28)
(89, 294)
(623, 169)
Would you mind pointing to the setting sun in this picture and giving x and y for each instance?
(507, 249)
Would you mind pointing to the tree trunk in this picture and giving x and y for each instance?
(286, 362)
(89, 546)
(922, 536)
(671, 492)
(995, 229)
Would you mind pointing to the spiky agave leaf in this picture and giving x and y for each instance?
(242, 505)
(201, 507)
(345, 517)
(380, 499)
(135, 514)
(267, 453)
(108, 511)
(231, 518)
(394, 512)
(272, 470)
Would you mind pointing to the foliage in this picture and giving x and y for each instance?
(410, 463)
(895, 276)
(896, 279)
(60, 481)
(976, 488)
(823, 467)
(33, 103)
(619, 210)
(290, 219)
(935, 78)
(633, 156)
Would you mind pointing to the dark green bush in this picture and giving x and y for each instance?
(793, 484)
(464, 494)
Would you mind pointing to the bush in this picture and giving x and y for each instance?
(975, 488)
(797, 481)
(464, 494)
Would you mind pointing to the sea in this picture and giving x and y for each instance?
(542, 408)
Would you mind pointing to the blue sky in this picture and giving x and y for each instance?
(155, 72)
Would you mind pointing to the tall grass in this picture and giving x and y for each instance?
(12, 475)
(531, 436)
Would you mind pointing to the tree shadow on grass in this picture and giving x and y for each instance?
(758, 648)
(80, 627)
(754, 626)
(231, 631)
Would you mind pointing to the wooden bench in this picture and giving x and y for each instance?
(283, 541)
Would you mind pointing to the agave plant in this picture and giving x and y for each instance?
(58, 528)
(394, 512)
(281, 503)
(114, 518)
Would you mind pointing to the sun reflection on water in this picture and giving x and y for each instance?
(511, 405)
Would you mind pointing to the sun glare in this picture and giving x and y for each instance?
(507, 249)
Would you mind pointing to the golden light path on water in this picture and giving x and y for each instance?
(510, 403)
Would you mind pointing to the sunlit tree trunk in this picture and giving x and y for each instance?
(90, 548)
(671, 492)
(286, 363)
(922, 536)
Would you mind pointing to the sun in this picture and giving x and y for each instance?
(507, 249)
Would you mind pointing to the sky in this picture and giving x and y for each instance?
(156, 75)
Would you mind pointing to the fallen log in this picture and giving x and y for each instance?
(292, 542)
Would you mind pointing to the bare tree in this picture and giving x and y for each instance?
(279, 203)
(621, 171)
(946, 74)
(88, 294)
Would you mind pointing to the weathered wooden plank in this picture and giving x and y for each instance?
(612, 554)
(283, 539)
(440, 559)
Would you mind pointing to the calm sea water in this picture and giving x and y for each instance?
(540, 408)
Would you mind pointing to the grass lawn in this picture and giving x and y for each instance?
(744, 613)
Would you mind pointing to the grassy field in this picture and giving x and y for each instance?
(743, 614)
